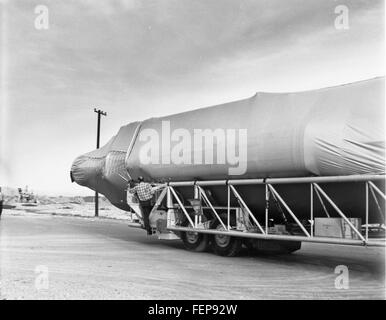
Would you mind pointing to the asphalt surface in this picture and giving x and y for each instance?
(51, 257)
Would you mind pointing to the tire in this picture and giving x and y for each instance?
(273, 246)
(194, 241)
(224, 245)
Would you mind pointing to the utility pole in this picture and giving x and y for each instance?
(99, 112)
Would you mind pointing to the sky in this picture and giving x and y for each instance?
(140, 59)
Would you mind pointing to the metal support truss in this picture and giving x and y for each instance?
(340, 212)
(263, 233)
(288, 209)
(181, 205)
(202, 193)
(240, 199)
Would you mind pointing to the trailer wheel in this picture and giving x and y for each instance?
(194, 241)
(224, 245)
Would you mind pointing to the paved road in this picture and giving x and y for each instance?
(104, 259)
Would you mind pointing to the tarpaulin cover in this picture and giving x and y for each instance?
(331, 131)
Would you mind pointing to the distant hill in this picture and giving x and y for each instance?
(91, 198)
(88, 199)
(12, 195)
(9, 192)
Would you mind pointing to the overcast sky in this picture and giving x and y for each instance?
(139, 59)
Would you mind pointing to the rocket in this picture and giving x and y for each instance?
(335, 131)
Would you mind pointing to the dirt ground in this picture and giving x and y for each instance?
(55, 257)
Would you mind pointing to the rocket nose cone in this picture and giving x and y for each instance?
(86, 171)
(78, 171)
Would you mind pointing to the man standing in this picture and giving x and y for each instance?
(144, 192)
(1, 202)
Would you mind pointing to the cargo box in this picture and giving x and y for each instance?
(336, 228)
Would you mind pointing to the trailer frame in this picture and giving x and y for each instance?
(262, 232)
